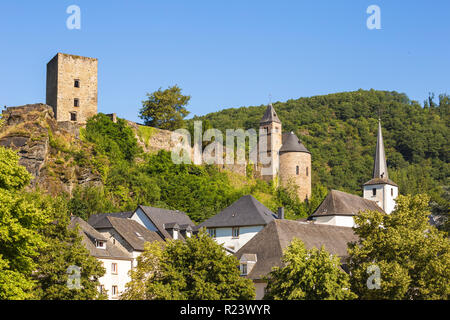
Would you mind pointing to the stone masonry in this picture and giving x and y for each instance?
(72, 87)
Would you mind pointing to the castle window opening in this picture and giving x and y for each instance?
(307, 171)
(73, 116)
(76, 102)
(76, 83)
(297, 170)
(392, 192)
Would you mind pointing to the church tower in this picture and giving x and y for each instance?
(380, 188)
(270, 129)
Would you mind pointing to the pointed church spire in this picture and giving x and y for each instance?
(380, 167)
(270, 115)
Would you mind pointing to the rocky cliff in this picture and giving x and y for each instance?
(47, 148)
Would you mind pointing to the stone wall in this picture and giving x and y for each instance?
(62, 71)
(288, 172)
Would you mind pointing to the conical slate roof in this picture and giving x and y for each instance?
(291, 143)
(270, 115)
(380, 172)
(380, 167)
(246, 211)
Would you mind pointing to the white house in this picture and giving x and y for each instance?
(116, 261)
(338, 209)
(234, 226)
(169, 224)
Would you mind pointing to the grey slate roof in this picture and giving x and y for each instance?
(270, 115)
(89, 235)
(380, 171)
(131, 231)
(380, 181)
(97, 220)
(291, 143)
(344, 204)
(246, 211)
(161, 217)
(269, 243)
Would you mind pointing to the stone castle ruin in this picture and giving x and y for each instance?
(72, 98)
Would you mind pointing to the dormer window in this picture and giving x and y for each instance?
(100, 244)
(76, 83)
(243, 269)
(175, 234)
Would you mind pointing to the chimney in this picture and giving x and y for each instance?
(280, 212)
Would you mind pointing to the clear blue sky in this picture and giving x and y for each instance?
(228, 53)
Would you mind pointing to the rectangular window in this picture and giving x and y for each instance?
(307, 171)
(76, 102)
(114, 268)
(101, 288)
(392, 192)
(73, 116)
(297, 170)
(374, 191)
(243, 269)
(114, 291)
(76, 83)
(212, 233)
(235, 232)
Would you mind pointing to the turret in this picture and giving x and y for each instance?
(295, 165)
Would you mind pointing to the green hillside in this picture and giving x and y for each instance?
(340, 131)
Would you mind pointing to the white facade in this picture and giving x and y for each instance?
(225, 236)
(383, 194)
(115, 277)
(341, 221)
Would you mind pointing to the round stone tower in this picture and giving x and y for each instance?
(295, 165)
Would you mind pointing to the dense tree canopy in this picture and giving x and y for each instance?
(340, 131)
(165, 109)
(308, 275)
(198, 269)
(20, 241)
(410, 257)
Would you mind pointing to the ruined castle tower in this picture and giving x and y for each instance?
(295, 165)
(72, 87)
(270, 128)
(290, 160)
